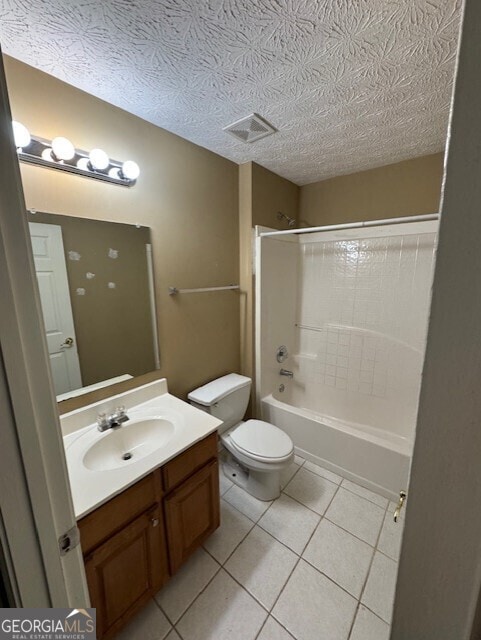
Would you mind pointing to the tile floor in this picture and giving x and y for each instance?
(318, 562)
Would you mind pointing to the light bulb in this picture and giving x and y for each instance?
(99, 159)
(47, 155)
(63, 149)
(114, 172)
(83, 164)
(21, 135)
(130, 170)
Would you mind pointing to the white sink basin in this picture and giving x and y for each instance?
(128, 444)
(160, 427)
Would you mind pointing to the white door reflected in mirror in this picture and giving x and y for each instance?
(51, 270)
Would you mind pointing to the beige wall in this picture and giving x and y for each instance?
(405, 188)
(187, 195)
(261, 195)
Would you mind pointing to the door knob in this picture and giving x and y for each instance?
(402, 498)
(67, 344)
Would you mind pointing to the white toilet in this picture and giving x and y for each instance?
(260, 449)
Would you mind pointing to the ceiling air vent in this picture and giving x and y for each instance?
(250, 129)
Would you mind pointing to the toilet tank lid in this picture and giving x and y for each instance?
(214, 391)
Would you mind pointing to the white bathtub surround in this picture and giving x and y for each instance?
(294, 574)
(377, 460)
(351, 306)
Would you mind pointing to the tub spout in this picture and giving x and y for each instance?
(285, 372)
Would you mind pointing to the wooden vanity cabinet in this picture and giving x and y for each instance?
(192, 514)
(124, 572)
(191, 504)
(136, 541)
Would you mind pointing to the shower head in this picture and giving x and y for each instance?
(290, 221)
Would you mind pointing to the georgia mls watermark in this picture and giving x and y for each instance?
(47, 624)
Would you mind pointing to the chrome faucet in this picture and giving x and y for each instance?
(287, 373)
(112, 421)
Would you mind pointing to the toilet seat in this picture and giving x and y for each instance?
(261, 441)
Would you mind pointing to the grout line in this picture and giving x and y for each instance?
(305, 506)
(245, 514)
(263, 625)
(369, 572)
(316, 475)
(298, 561)
(354, 619)
(321, 518)
(364, 497)
(160, 608)
(351, 533)
(299, 467)
(196, 598)
(277, 621)
(362, 604)
(240, 541)
(282, 590)
(221, 566)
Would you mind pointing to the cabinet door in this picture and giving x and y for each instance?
(192, 513)
(126, 570)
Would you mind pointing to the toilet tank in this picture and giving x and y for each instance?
(225, 398)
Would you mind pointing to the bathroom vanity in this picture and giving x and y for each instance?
(142, 516)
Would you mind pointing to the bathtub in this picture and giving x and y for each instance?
(376, 459)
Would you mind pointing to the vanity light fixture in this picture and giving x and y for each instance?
(61, 154)
(21, 135)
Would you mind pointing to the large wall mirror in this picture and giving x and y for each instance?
(96, 288)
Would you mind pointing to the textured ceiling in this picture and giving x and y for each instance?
(349, 84)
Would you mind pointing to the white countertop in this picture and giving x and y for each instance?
(91, 488)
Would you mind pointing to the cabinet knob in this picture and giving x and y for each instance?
(155, 522)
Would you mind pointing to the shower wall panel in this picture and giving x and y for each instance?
(362, 310)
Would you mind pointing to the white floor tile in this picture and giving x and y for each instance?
(149, 624)
(173, 635)
(312, 607)
(182, 589)
(290, 522)
(233, 528)
(262, 565)
(224, 611)
(357, 515)
(312, 490)
(288, 473)
(381, 501)
(272, 630)
(245, 503)
(224, 483)
(391, 536)
(380, 587)
(341, 556)
(369, 627)
(299, 460)
(324, 473)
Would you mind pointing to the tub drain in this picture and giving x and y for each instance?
(127, 456)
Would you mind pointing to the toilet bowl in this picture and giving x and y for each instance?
(258, 450)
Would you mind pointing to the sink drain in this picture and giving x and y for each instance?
(127, 456)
